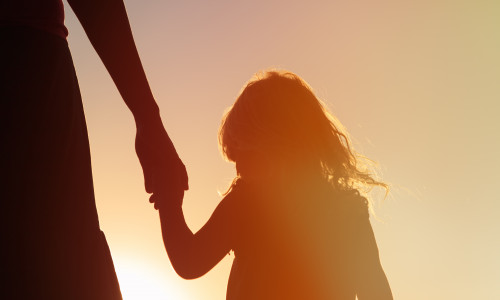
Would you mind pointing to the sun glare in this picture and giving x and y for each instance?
(139, 280)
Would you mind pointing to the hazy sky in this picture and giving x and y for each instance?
(416, 83)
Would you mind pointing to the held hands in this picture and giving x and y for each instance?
(171, 199)
(163, 170)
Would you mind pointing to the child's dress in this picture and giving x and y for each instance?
(294, 243)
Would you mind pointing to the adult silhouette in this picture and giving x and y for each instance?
(52, 245)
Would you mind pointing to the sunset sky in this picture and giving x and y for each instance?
(416, 84)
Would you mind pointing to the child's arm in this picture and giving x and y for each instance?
(193, 255)
(372, 282)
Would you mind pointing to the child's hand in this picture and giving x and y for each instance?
(167, 197)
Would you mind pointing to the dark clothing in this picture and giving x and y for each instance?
(293, 243)
(46, 15)
(53, 247)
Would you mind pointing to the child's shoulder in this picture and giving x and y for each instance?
(348, 203)
(238, 188)
(354, 202)
(247, 197)
(238, 191)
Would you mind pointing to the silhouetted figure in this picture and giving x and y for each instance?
(52, 247)
(294, 217)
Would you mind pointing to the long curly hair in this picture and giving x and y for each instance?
(278, 119)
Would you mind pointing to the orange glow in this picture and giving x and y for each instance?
(140, 280)
(414, 82)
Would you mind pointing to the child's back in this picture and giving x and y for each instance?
(295, 241)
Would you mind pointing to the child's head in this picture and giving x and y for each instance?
(277, 124)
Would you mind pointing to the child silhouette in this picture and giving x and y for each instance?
(293, 216)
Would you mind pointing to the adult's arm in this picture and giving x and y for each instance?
(107, 27)
(193, 255)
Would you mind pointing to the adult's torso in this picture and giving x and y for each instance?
(46, 15)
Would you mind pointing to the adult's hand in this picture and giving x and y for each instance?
(108, 29)
(162, 167)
